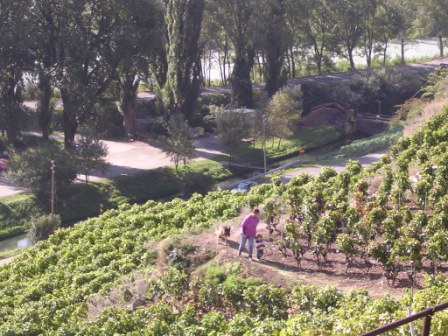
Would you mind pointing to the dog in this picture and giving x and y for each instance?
(223, 232)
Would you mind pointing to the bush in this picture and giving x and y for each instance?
(108, 121)
(42, 227)
(177, 255)
(15, 214)
(32, 168)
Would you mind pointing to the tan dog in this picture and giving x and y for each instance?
(223, 232)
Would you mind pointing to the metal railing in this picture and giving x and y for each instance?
(425, 314)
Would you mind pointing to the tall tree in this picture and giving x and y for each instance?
(407, 13)
(140, 36)
(46, 19)
(314, 26)
(392, 22)
(15, 59)
(238, 21)
(101, 37)
(213, 34)
(432, 19)
(177, 68)
(370, 30)
(349, 17)
(86, 62)
(275, 39)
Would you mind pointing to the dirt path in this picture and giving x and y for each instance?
(275, 268)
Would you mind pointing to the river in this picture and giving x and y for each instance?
(20, 241)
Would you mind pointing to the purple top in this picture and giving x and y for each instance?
(249, 226)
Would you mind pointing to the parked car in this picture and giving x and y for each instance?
(244, 187)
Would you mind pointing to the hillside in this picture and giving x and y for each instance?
(387, 223)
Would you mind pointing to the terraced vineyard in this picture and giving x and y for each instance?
(394, 214)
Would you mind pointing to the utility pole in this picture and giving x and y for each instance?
(53, 187)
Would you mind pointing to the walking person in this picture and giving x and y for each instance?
(249, 231)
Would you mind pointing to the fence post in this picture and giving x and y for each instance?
(426, 325)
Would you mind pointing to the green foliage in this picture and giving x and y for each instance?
(233, 126)
(32, 168)
(282, 110)
(179, 143)
(435, 80)
(177, 255)
(370, 145)
(103, 249)
(180, 85)
(89, 154)
(265, 301)
(42, 227)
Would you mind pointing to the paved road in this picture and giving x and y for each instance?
(127, 157)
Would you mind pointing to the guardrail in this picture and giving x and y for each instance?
(425, 314)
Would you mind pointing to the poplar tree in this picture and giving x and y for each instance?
(177, 68)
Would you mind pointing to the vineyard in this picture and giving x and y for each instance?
(393, 215)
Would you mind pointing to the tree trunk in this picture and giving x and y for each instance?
(69, 120)
(240, 80)
(403, 61)
(319, 65)
(288, 62)
(44, 107)
(385, 53)
(226, 54)
(70, 126)
(369, 58)
(129, 88)
(293, 63)
(274, 64)
(11, 102)
(209, 64)
(260, 71)
(221, 73)
(350, 58)
(440, 37)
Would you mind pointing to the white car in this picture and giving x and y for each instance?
(244, 187)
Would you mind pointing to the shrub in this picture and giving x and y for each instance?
(42, 227)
